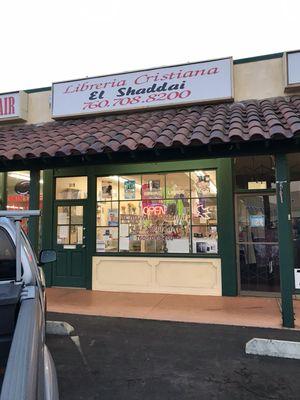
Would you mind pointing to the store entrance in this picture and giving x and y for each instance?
(69, 243)
(257, 243)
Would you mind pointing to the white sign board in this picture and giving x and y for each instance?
(293, 68)
(13, 106)
(167, 86)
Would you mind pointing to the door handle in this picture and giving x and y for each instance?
(83, 246)
(270, 267)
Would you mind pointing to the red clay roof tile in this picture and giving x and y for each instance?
(195, 125)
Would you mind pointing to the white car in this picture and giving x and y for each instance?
(27, 370)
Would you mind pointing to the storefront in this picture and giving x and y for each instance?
(187, 198)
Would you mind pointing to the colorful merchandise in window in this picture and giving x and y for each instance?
(158, 213)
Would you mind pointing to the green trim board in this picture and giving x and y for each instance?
(91, 228)
(84, 170)
(258, 58)
(47, 219)
(3, 191)
(159, 255)
(136, 168)
(261, 191)
(286, 249)
(226, 230)
(37, 90)
(34, 204)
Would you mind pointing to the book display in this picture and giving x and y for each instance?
(158, 213)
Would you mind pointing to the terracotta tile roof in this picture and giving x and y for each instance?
(196, 125)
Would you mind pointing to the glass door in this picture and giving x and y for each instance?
(69, 230)
(257, 242)
(294, 166)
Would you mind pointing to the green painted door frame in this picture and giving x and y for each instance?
(70, 267)
(226, 227)
(3, 190)
(90, 227)
(47, 220)
(286, 249)
(34, 204)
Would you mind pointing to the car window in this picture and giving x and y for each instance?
(7, 257)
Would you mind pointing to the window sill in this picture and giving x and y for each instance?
(170, 255)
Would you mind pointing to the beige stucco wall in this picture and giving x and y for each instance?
(259, 80)
(39, 107)
(200, 276)
(252, 80)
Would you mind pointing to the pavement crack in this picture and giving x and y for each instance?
(76, 341)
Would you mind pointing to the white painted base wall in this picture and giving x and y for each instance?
(200, 276)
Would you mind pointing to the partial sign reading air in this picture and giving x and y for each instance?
(7, 106)
(13, 106)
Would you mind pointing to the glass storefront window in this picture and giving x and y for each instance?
(153, 186)
(107, 188)
(158, 213)
(294, 166)
(254, 173)
(203, 183)
(130, 187)
(71, 188)
(107, 240)
(107, 213)
(205, 239)
(178, 185)
(18, 183)
(204, 211)
(17, 188)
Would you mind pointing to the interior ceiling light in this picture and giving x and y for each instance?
(19, 175)
(23, 176)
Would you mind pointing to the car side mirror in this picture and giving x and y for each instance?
(47, 256)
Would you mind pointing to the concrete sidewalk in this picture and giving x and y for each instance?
(240, 311)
